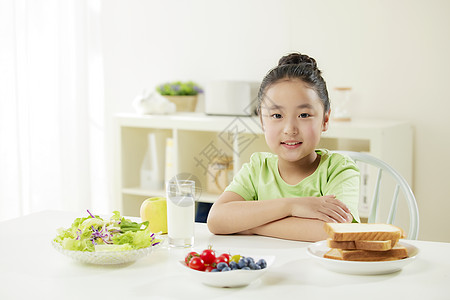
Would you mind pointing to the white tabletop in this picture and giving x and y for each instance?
(31, 269)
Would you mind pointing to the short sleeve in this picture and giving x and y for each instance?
(245, 181)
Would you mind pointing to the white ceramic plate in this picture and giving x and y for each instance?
(317, 250)
(234, 278)
(104, 257)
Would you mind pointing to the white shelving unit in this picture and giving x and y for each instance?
(197, 136)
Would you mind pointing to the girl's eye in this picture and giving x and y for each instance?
(276, 116)
(304, 115)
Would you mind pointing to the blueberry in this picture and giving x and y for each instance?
(262, 263)
(226, 269)
(234, 265)
(215, 270)
(242, 263)
(252, 266)
(245, 268)
(220, 266)
(250, 260)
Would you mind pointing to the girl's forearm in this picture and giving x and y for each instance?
(292, 228)
(237, 216)
(289, 218)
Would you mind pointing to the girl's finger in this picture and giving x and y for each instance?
(340, 204)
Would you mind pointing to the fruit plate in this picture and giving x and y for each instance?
(317, 250)
(233, 278)
(104, 257)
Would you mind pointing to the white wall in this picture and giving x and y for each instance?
(395, 55)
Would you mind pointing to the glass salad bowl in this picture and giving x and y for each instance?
(104, 257)
(96, 240)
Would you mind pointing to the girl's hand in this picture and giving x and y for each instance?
(325, 208)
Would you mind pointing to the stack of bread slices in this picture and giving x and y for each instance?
(364, 242)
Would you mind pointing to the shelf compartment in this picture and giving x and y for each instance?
(196, 149)
(134, 145)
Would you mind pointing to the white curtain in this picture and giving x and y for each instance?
(52, 153)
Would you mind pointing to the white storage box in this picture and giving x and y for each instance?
(235, 98)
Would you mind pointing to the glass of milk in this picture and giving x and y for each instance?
(180, 212)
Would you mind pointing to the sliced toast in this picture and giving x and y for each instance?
(396, 253)
(362, 245)
(363, 232)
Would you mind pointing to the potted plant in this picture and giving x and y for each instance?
(183, 94)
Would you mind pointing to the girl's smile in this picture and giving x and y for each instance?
(291, 144)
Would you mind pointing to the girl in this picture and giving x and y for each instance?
(291, 193)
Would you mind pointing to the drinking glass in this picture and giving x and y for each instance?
(180, 212)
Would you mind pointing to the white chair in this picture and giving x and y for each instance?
(400, 185)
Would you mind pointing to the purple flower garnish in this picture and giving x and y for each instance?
(103, 234)
(90, 213)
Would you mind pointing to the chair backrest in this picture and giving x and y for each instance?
(400, 185)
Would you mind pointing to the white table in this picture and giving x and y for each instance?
(31, 269)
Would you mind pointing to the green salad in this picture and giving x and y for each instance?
(93, 233)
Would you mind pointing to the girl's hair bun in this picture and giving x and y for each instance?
(297, 58)
(296, 66)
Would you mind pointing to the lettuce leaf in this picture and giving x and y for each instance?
(128, 225)
(136, 239)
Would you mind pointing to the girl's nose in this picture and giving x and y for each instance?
(291, 127)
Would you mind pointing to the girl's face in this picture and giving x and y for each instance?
(293, 119)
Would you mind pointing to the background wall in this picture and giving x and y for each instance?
(395, 55)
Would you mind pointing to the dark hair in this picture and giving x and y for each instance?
(296, 66)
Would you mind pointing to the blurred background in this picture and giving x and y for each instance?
(67, 67)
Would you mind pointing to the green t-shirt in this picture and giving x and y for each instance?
(336, 174)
